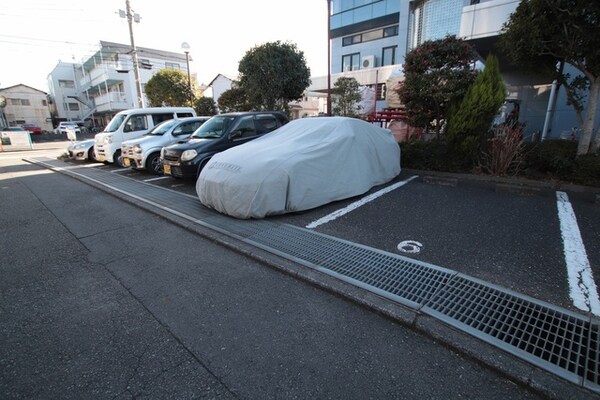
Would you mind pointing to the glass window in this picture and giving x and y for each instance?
(390, 31)
(158, 118)
(66, 84)
(388, 55)
(350, 62)
(136, 123)
(25, 102)
(44, 103)
(245, 128)
(184, 114)
(169, 65)
(266, 123)
(73, 106)
(187, 128)
(378, 34)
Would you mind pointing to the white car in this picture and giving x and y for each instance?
(304, 164)
(144, 152)
(82, 151)
(64, 126)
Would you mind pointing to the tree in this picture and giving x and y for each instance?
(169, 87)
(273, 74)
(234, 99)
(541, 33)
(346, 94)
(437, 74)
(205, 106)
(471, 120)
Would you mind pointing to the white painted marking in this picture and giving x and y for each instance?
(410, 246)
(121, 170)
(582, 287)
(353, 206)
(157, 178)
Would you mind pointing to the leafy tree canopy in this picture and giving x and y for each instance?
(234, 99)
(168, 87)
(437, 74)
(273, 74)
(346, 95)
(541, 33)
(205, 106)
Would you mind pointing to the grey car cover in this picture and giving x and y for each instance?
(304, 164)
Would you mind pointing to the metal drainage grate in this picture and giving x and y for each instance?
(389, 275)
(557, 340)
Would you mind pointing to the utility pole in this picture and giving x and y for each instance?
(136, 66)
(328, 58)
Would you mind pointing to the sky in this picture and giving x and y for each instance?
(37, 34)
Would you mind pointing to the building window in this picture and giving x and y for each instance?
(71, 106)
(44, 103)
(169, 65)
(351, 62)
(144, 63)
(388, 55)
(433, 19)
(20, 102)
(66, 84)
(371, 35)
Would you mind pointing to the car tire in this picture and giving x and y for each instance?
(117, 158)
(153, 164)
(92, 155)
(201, 166)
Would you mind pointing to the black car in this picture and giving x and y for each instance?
(221, 132)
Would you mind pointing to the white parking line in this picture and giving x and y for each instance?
(121, 170)
(157, 178)
(353, 206)
(582, 287)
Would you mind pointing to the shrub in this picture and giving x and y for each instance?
(504, 151)
(555, 158)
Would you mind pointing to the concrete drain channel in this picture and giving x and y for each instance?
(556, 340)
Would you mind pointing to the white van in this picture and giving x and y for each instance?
(131, 124)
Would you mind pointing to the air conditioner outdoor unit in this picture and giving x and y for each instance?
(368, 62)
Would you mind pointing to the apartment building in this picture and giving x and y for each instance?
(105, 83)
(25, 105)
(370, 38)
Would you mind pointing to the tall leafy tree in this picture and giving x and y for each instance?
(437, 75)
(273, 74)
(346, 95)
(205, 106)
(541, 33)
(169, 87)
(471, 120)
(234, 99)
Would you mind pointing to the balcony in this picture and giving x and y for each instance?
(112, 101)
(104, 75)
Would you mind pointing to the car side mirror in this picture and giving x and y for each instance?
(235, 134)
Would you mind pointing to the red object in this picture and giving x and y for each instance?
(36, 130)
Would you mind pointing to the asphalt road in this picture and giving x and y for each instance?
(103, 299)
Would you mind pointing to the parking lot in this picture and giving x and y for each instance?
(509, 239)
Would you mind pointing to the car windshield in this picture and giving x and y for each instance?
(163, 127)
(115, 123)
(214, 127)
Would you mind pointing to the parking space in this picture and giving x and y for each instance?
(514, 241)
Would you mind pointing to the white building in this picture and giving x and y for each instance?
(105, 83)
(26, 105)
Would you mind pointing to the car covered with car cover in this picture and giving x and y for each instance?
(306, 163)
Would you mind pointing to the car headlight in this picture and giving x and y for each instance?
(137, 149)
(108, 139)
(188, 155)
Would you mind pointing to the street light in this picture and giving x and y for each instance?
(186, 49)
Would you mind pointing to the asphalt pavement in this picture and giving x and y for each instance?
(103, 299)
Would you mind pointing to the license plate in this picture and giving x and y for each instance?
(167, 169)
(126, 162)
(100, 158)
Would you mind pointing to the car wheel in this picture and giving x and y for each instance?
(117, 158)
(92, 155)
(153, 164)
(202, 165)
